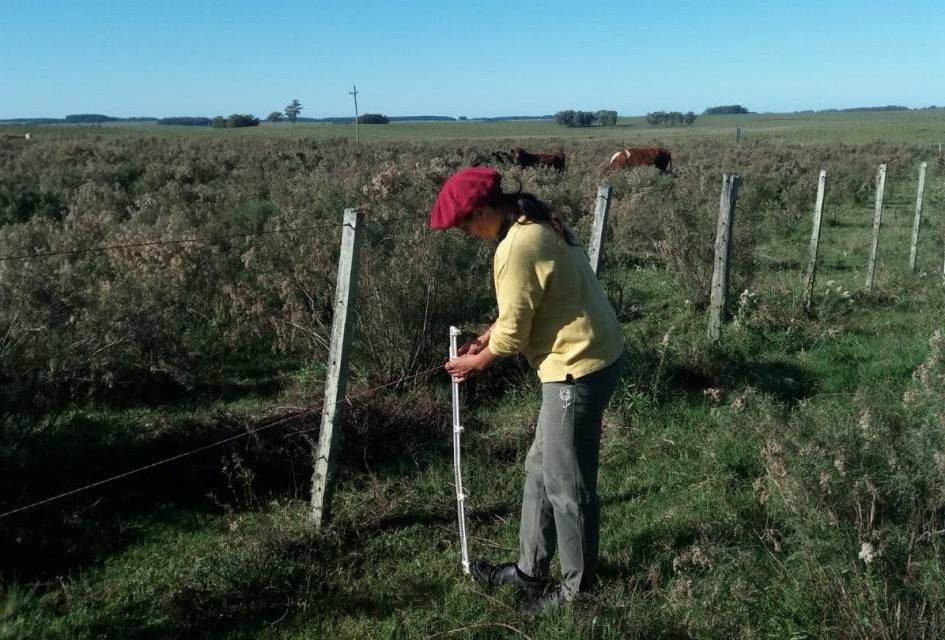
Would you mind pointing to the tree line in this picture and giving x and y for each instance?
(725, 110)
(572, 118)
(670, 118)
(235, 120)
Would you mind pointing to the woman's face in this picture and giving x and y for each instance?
(484, 223)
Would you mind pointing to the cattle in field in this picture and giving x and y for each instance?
(525, 159)
(502, 157)
(643, 157)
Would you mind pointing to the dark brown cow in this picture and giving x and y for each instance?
(643, 157)
(502, 157)
(525, 159)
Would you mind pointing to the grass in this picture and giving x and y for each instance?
(908, 127)
(739, 480)
(688, 551)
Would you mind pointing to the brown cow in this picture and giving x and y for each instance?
(525, 159)
(643, 157)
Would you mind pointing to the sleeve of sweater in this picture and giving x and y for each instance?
(521, 276)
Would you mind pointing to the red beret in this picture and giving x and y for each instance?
(462, 193)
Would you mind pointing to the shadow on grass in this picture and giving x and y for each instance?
(86, 528)
(784, 381)
(302, 579)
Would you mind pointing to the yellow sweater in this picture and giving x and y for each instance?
(551, 306)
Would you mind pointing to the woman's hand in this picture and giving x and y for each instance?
(461, 368)
(473, 347)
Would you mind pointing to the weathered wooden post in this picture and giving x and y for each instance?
(601, 209)
(918, 216)
(723, 243)
(345, 291)
(738, 135)
(877, 221)
(815, 240)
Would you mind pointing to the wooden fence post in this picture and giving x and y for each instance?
(723, 243)
(601, 209)
(815, 240)
(918, 216)
(877, 221)
(346, 290)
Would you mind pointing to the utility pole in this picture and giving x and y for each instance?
(357, 134)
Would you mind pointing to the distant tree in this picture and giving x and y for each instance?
(725, 110)
(606, 118)
(86, 118)
(565, 117)
(572, 118)
(463, 118)
(186, 121)
(235, 120)
(373, 118)
(655, 118)
(670, 118)
(275, 116)
(293, 110)
(242, 120)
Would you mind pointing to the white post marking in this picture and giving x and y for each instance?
(346, 290)
(918, 216)
(601, 209)
(877, 221)
(815, 239)
(457, 461)
(723, 242)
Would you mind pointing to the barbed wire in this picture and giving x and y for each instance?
(194, 239)
(308, 411)
(152, 243)
(402, 219)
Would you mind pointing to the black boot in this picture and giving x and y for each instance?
(489, 575)
(538, 605)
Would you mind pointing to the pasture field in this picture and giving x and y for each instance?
(787, 481)
(908, 127)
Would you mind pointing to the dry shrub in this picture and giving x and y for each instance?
(100, 323)
(860, 498)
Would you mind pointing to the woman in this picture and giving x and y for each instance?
(552, 309)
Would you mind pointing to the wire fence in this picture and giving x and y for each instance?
(192, 240)
(308, 411)
(303, 413)
(400, 290)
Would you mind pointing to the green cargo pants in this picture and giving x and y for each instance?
(560, 503)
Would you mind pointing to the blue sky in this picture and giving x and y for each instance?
(490, 58)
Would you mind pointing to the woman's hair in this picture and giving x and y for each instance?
(518, 204)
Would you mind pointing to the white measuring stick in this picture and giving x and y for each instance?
(457, 462)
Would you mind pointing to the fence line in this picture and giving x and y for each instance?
(727, 202)
(153, 243)
(305, 412)
(192, 240)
